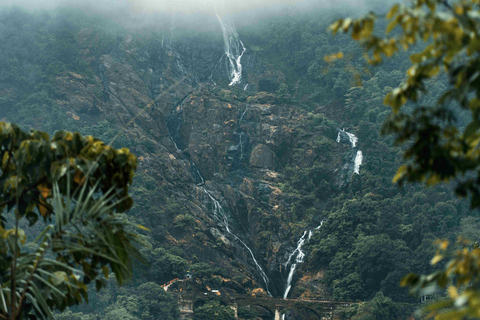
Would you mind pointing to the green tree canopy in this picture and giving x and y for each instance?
(79, 186)
(213, 310)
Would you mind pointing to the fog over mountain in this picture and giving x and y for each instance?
(192, 6)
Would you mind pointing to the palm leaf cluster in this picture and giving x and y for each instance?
(79, 186)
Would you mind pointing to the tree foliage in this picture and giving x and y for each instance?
(445, 135)
(213, 310)
(442, 138)
(79, 187)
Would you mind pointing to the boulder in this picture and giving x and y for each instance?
(262, 157)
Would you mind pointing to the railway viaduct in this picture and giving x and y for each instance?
(322, 309)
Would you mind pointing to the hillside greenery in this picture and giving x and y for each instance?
(374, 232)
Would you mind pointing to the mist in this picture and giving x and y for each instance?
(129, 7)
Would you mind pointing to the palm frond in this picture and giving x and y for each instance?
(86, 234)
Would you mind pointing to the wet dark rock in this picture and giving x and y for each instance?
(262, 157)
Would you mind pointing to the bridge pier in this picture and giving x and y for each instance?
(278, 315)
(235, 309)
(186, 307)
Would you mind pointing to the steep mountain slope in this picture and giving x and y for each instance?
(232, 177)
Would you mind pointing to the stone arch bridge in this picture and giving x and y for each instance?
(322, 309)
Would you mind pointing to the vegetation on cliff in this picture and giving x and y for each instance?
(268, 154)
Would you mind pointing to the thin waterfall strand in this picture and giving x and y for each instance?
(234, 50)
(353, 141)
(298, 259)
(358, 162)
(218, 211)
(220, 214)
(299, 256)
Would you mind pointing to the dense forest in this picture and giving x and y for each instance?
(231, 177)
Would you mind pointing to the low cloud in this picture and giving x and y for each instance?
(189, 6)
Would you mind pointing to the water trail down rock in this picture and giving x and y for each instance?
(351, 137)
(357, 162)
(298, 256)
(241, 145)
(243, 114)
(234, 50)
(221, 216)
(197, 176)
(174, 125)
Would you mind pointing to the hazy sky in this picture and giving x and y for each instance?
(187, 6)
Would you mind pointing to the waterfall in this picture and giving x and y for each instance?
(351, 137)
(197, 176)
(241, 146)
(298, 256)
(174, 124)
(357, 162)
(243, 114)
(220, 214)
(234, 50)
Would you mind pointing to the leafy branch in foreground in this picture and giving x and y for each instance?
(441, 150)
(442, 140)
(459, 278)
(79, 186)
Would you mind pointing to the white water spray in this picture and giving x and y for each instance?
(298, 255)
(358, 162)
(353, 141)
(234, 50)
(351, 137)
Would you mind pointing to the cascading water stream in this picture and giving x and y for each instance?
(241, 146)
(174, 124)
(220, 214)
(234, 50)
(351, 137)
(357, 162)
(299, 257)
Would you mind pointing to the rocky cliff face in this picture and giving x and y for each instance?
(199, 143)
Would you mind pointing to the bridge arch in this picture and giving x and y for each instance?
(315, 312)
(197, 303)
(269, 314)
